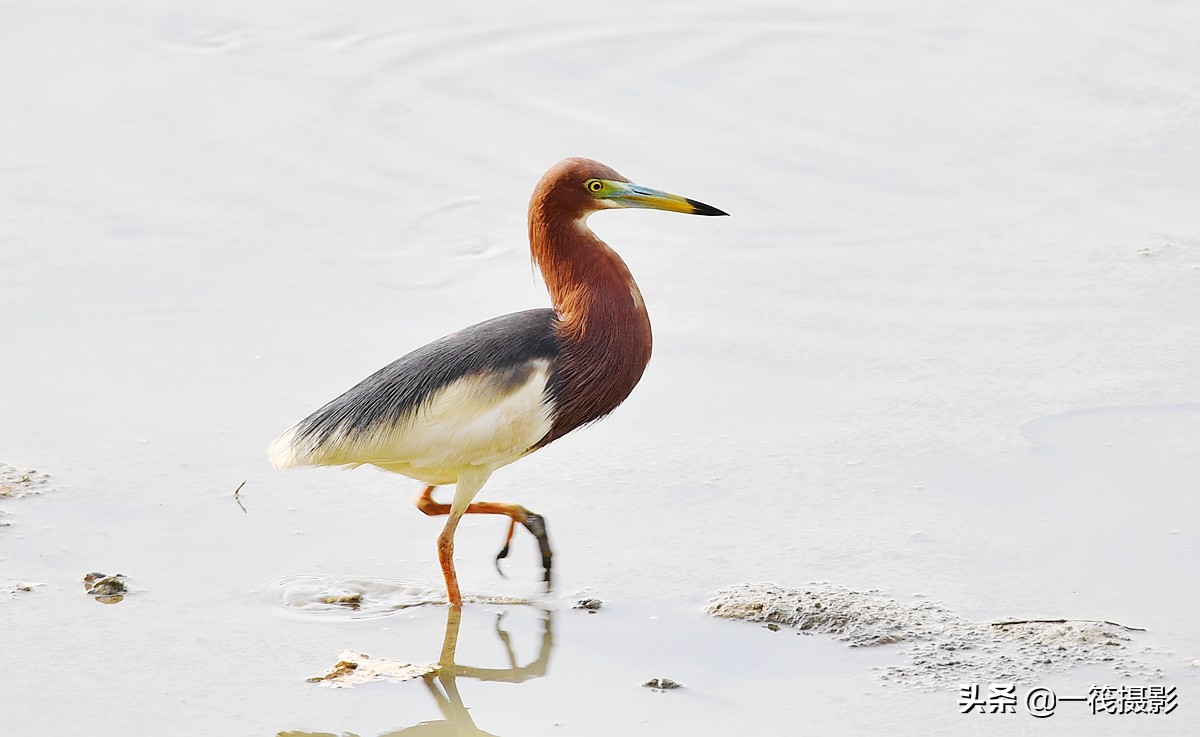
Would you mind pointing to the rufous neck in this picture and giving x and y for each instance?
(583, 275)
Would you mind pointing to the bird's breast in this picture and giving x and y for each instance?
(601, 360)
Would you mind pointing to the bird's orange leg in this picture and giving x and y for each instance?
(445, 546)
(470, 480)
(515, 512)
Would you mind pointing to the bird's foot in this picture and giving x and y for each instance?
(536, 524)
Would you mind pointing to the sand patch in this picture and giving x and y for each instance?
(941, 647)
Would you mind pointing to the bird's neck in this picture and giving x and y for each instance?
(588, 282)
(603, 328)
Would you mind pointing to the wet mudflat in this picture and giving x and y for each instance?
(940, 359)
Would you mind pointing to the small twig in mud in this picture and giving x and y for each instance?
(237, 496)
(1065, 621)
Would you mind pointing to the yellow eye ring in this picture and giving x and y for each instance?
(594, 185)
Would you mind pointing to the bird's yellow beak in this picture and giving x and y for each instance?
(628, 194)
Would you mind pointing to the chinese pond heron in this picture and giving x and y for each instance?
(458, 409)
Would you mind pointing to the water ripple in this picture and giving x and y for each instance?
(361, 597)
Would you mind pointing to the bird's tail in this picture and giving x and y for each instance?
(290, 450)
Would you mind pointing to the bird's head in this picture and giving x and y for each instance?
(575, 188)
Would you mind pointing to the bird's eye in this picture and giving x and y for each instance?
(594, 185)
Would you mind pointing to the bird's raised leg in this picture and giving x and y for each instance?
(470, 481)
(532, 521)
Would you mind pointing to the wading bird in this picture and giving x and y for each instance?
(474, 401)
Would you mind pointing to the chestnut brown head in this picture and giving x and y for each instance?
(576, 187)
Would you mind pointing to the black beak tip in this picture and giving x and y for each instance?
(699, 208)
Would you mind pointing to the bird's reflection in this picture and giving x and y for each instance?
(443, 683)
(457, 719)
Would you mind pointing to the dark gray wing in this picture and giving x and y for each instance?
(504, 348)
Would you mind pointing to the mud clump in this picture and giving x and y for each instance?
(859, 618)
(590, 605)
(941, 647)
(19, 482)
(351, 601)
(340, 670)
(354, 669)
(104, 588)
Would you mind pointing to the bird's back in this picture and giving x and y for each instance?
(480, 396)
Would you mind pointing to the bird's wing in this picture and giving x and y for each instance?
(478, 396)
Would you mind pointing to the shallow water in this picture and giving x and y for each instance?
(945, 345)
